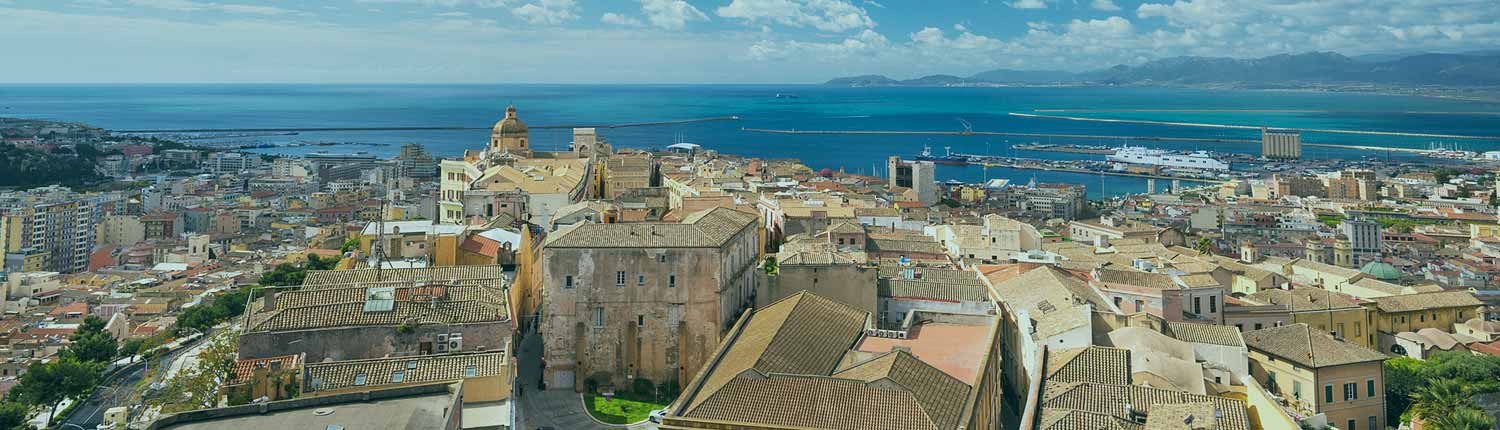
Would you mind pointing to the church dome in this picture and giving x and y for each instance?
(1381, 270)
(510, 125)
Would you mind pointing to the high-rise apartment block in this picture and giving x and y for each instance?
(53, 222)
(918, 176)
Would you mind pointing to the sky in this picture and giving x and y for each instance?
(687, 41)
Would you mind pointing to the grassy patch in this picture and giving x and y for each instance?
(618, 410)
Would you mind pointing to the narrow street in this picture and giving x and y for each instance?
(560, 409)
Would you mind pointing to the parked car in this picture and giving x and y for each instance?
(657, 415)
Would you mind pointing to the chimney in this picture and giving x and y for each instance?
(268, 301)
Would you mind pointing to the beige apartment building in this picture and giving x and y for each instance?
(1318, 373)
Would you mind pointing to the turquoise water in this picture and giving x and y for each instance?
(817, 107)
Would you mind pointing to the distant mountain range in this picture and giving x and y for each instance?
(1468, 69)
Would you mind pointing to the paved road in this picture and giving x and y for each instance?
(560, 409)
(117, 391)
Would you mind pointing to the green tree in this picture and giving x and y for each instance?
(48, 384)
(1439, 398)
(350, 245)
(211, 255)
(1204, 245)
(1462, 419)
(1402, 376)
(199, 387)
(13, 415)
(91, 343)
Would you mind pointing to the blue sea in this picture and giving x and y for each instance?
(124, 107)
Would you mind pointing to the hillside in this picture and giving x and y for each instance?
(1470, 69)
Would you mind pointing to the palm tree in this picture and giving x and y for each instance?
(1462, 419)
(1440, 399)
(1204, 245)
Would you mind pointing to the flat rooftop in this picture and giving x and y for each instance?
(955, 348)
(423, 409)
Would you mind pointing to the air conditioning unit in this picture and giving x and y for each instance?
(455, 342)
(442, 342)
(901, 335)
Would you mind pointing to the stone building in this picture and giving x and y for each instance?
(370, 313)
(644, 300)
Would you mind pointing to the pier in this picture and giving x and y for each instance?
(426, 128)
(1077, 136)
(1256, 127)
(1037, 165)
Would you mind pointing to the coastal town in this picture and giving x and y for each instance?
(151, 283)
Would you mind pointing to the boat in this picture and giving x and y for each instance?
(949, 158)
(786, 96)
(1157, 157)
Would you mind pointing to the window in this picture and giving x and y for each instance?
(1297, 390)
(1351, 391)
(359, 379)
(1258, 326)
(1139, 305)
(672, 281)
(568, 281)
(470, 372)
(1117, 301)
(1372, 425)
(1328, 393)
(620, 278)
(411, 364)
(661, 258)
(1351, 425)
(1270, 378)
(1422, 318)
(598, 317)
(1197, 305)
(1340, 333)
(398, 376)
(640, 280)
(1356, 329)
(1370, 388)
(1213, 304)
(640, 320)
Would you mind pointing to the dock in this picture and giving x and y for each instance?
(1079, 136)
(1255, 127)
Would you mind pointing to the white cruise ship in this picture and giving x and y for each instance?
(1157, 157)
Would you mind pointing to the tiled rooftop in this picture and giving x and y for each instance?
(346, 307)
(412, 370)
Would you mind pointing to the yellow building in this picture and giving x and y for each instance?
(1412, 312)
(437, 244)
(1317, 373)
(1339, 314)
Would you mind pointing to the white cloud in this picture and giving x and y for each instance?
(547, 12)
(193, 6)
(1028, 4)
(960, 27)
(671, 14)
(446, 3)
(862, 46)
(454, 14)
(618, 19)
(1105, 5)
(826, 15)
